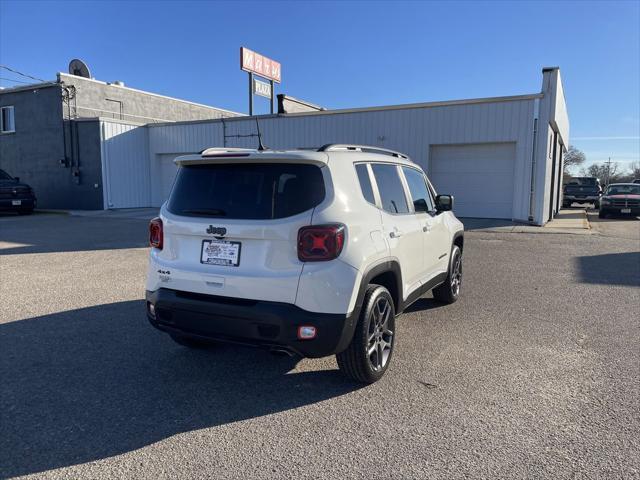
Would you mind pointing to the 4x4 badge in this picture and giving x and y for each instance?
(217, 231)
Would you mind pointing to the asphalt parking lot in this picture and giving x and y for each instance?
(534, 373)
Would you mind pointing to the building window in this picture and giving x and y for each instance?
(7, 122)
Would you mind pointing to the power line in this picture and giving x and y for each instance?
(23, 74)
(13, 80)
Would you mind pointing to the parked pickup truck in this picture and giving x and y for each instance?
(582, 190)
(15, 196)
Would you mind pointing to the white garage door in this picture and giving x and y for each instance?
(480, 176)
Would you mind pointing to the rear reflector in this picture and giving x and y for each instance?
(320, 243)
(306, 332)
(156, 235)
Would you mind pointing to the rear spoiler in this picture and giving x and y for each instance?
(251, 156)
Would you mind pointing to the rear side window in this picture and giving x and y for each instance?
(418, 190)
(248, 191)
(583, 181)
(365, 182)
(390, 188)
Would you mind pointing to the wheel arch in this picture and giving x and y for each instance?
(458, 239)
(389, 275)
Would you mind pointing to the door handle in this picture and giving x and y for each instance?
(426, 227)
(396, 233)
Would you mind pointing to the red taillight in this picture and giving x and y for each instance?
(156, 236)
(320, 243)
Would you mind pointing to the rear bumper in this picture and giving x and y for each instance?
(634, 211)
(272, 325)
(581, 198)
(28, 203)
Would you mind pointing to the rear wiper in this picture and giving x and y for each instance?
(215, 212)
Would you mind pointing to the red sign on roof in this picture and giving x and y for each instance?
(251, 61)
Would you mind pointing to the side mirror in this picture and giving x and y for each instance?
(420, 205)
(17, 179)
(444, 203)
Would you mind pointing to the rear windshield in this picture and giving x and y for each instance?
(623, 190)
(583, 181)
(246, 190)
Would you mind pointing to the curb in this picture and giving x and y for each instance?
(51, 212)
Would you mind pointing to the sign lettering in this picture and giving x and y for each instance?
(253, 62)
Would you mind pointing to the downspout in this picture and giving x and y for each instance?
(224, 132)
(65, 99)
(536, 112)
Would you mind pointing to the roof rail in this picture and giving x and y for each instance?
(214, 150)
(331, 147)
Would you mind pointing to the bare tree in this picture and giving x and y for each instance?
(573, 158)
(630, 174)
(607, 173)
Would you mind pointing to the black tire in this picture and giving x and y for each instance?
(190, 342)
(602, 214)
(596, 205)
(369, 354)
(449, 291)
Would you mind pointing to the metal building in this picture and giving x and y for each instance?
(51, 137)
(501, 157)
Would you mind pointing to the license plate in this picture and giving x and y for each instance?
(16, 202)
(625, 210)
(220, 252)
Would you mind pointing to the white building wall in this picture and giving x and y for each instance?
(125, 165)
(133, 157)
(409, 130)
(553, 117)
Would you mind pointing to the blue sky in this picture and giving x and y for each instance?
(343, 54)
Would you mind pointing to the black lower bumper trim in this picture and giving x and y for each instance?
(634, 212)
(25, 204)
(271, 325)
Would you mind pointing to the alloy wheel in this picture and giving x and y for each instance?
(456, 276)
(380, 337)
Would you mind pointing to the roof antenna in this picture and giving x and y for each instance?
(261, 147)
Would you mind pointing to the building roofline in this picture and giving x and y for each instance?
(110, 120)
(124, 87)
(301, 102)
(405, 106)
(31, 86)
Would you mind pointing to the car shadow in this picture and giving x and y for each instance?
(91, 383)
(67, 233)
(610, 269)
(424, 304)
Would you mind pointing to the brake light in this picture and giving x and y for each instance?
(156, 235)
(320, 243)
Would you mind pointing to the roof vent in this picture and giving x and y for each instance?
(118, 83)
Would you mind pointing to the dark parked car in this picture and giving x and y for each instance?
(15, 196)
(582, 190)
(621, 199)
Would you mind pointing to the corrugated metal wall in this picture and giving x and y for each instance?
(409, 130)
(125, 165)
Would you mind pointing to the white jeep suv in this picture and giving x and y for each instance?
(309, 252)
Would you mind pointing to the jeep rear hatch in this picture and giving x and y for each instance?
(231, 228)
